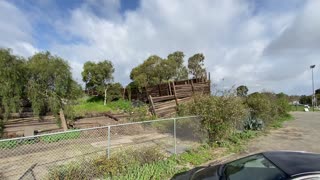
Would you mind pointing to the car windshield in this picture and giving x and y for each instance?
(252, 167)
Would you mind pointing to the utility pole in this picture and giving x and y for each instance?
(313, 96)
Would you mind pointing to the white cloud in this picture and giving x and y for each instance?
(264, 50)
(15, 30)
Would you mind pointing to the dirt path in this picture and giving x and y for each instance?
(300, 134)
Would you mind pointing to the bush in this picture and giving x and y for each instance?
(75, 170)
(120, 163)
(260, 107)
(268, 107)
(123, 161)
(220, 114)
(283, 106)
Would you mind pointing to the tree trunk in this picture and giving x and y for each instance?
(63, 120)
(105, 97)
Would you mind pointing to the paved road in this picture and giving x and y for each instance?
(301, 134)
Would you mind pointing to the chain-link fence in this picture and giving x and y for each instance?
(33, 157)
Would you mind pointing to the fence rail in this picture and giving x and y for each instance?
(18, 155)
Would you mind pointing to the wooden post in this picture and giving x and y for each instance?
(152, 105)
(63, 120)
(170, 92)
(174, 93)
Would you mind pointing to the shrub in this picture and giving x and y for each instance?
(220, 114)
(283, 106)
(75, 170)
(124, 160)
(260, 107)
(253, 124)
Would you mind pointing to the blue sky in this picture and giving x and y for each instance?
(266, 45)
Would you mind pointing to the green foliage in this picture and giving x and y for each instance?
(88, 106)
(138, 113)
(11, 144)
(60, 137)
(147, 73)
(279, 122)
(242, 91)
(98, 76)
(268, 106)
(282, 102)
(157, 170)
(73, 171)
(260, 107)
(155, 70)
(220, 114)
(196, 66)
(50, 84)
(8, 144)
(115, 92)
(253, 124)
(12, 81)
(305, 99)
(122, 162)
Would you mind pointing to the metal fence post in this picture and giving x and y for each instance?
(175, 135)
(108, 143)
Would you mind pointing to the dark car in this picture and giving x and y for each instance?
(275, 165)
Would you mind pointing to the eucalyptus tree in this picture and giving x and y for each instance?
(196, 66)
(98, 76)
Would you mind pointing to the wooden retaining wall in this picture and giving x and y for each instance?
(166, 106)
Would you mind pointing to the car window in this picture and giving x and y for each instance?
(252, 167)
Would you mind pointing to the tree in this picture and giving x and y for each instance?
(155, 70)
(12, 81)
(98, 76)
(115, 91)
(242, 91)
(305, 99)
(148, 73)
(196, 66)
(317, 91)
(50, 85)
(175, 60)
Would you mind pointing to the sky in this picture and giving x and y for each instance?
(265, 45)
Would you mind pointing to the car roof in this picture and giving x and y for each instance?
(294, 163)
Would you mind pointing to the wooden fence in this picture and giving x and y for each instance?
(164, 89)
(164, 106)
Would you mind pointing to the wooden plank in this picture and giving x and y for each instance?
(165, 103)
(166, 107)
(111, 116)
(170, 92)
(152, 105)
(163, 98)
